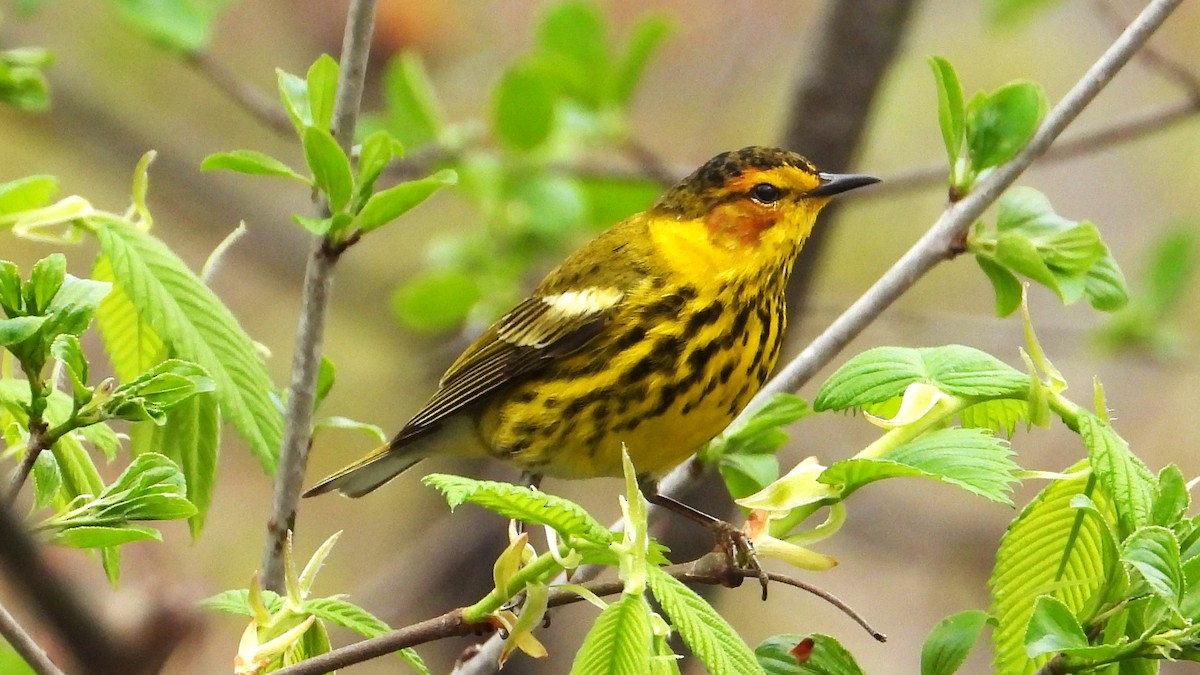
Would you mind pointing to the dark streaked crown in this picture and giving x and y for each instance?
(694, 195)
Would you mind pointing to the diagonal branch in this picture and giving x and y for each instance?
(251, 100)
(25, 646)
(318, 283)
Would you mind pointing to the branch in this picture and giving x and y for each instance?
(25, 646)
(1138, 125)
(712, 569)
(92, 643)
(935, 245)
(318, 282)
(251, 100)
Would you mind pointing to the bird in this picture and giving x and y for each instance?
(652, 337)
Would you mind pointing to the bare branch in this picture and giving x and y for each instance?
(25, 645)
(318, 282)
(260, 107)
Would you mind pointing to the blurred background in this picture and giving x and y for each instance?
(910, 553)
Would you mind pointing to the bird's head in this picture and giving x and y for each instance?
(755, 201)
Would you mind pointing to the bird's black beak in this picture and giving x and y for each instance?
(837, 183)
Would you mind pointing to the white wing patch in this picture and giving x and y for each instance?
(573, 304)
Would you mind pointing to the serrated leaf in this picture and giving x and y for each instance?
(618, 642)
(17, 330)
(950, 641)
(322, 81)
(951, 113)
(100, 536)
(251, 162)
(521, 503)
(972, 459)
(387, 205)
(413, 113)
(1121, 474)
(1171, 499)
(1028, 562)
(703, 630)
(46, 277)
(192, 437)
(815, 654)
(237, 601)
(24, 194)
(645, 39)
(199, 328)
(1154, 553)
(1000, 415)
(1052, 628)
(884, 373)
(132, 345)
(329, 165)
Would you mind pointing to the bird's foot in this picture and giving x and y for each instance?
(736, 546)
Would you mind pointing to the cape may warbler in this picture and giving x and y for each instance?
(653, 335)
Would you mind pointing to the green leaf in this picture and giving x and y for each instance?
(352, 617)
(251, 162)
(436, 300)
(521, 503)
(100, 536)
(413, 113)
(546, 205)
(645, 39)
(1001, 416)
(24, 194)
(132, 345)
(1171, 499)
(815, 654)
(883, 373)
(524, 107)
(1052, 628)
(1028, 565)
(1154, 553)
(11, 301)
(66, 349)
(1017, 252)
(377, 152)
(387, 205)
(950, 641)
(1104, 285)
(22, 86)
(192, 437)
(618, 642)
(322, 81)
(972, 459)
(14, 331)
(326, 376)
(1008, 287)
(951, 113)
(199, 328)
(999, 124)
(156, 391)
(703, 630)
(1171, 268)
(185, 25)
(1121, 474)
(293, 92)
(1014, 11)
(746, 474)
(237, 601)
(330, 166)
(609, 200)
(45, 280)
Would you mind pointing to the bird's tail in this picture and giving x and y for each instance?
(378, 467)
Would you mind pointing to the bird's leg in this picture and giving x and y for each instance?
(731, 540)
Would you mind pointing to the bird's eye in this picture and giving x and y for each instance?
(765, 193)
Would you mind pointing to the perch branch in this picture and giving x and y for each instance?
(25, 646)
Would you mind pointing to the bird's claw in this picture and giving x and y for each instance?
(735, 545)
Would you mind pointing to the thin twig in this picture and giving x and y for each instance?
(1138, 125)
(1165, 66)
(934, 246)
(318, 282)
(260, 107)
(25, 645)
(710, 570)
(93, 644)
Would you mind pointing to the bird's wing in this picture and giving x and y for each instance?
(540, 329)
